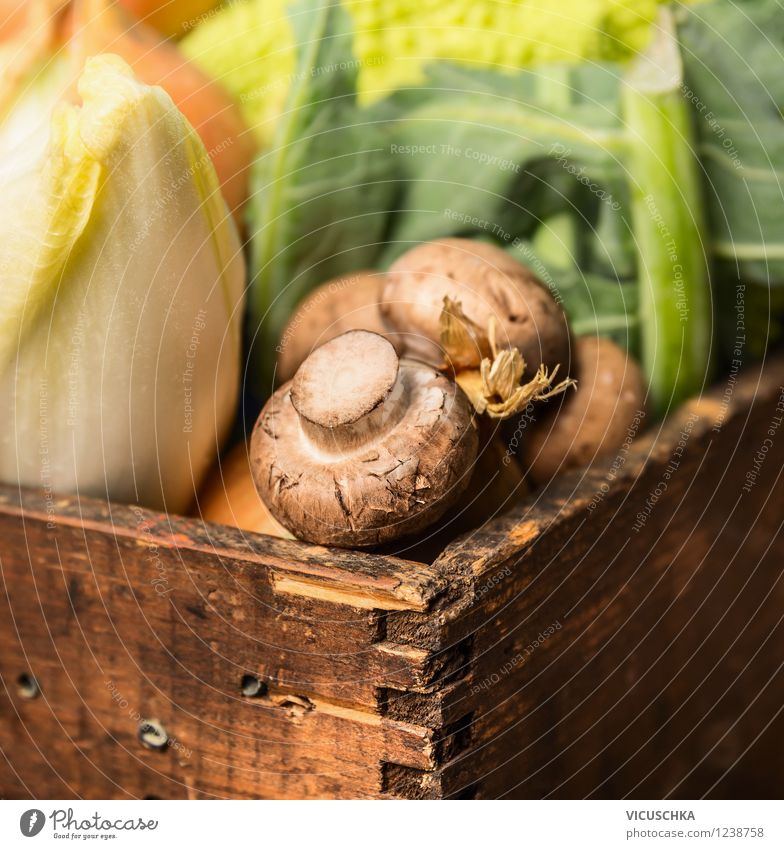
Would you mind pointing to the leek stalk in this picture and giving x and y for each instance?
(673, 277)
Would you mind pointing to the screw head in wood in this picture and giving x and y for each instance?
(152, 734)
(27, 686)
(252, 687)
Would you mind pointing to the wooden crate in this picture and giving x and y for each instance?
(611, 637)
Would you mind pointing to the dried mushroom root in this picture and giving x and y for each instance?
(497, 387)
(362, 448)
(471, 308)
(606, 411)
(349, 302)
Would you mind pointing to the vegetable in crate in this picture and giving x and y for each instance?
(349, 302)
(588, 425)
(321, 194)
(462, 306)
(102, 26)
(471, 308)
(732, 53)
(501, 155)
(606, 410)
(172, 17)
(43, 59)
(362, 448)
(121, 299)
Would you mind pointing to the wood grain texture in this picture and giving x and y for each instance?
(559, 651)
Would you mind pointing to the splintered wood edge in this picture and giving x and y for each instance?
(351, 596)
(340, 576)
(515, 532)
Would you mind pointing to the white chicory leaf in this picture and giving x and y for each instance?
(120, 299)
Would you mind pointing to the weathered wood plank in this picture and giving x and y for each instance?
(101, 688)
(89, 580)
(389, 581)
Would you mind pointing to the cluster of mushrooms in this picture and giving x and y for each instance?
(407, 398)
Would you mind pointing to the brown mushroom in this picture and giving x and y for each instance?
(488, 284)
(606, 409)
(350, 302)
(498, 483)
(362, 448)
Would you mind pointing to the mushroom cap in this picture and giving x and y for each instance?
(393, 482)
(349, 302)
(487, 282)
(595, 419)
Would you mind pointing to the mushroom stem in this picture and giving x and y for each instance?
(349, 392)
